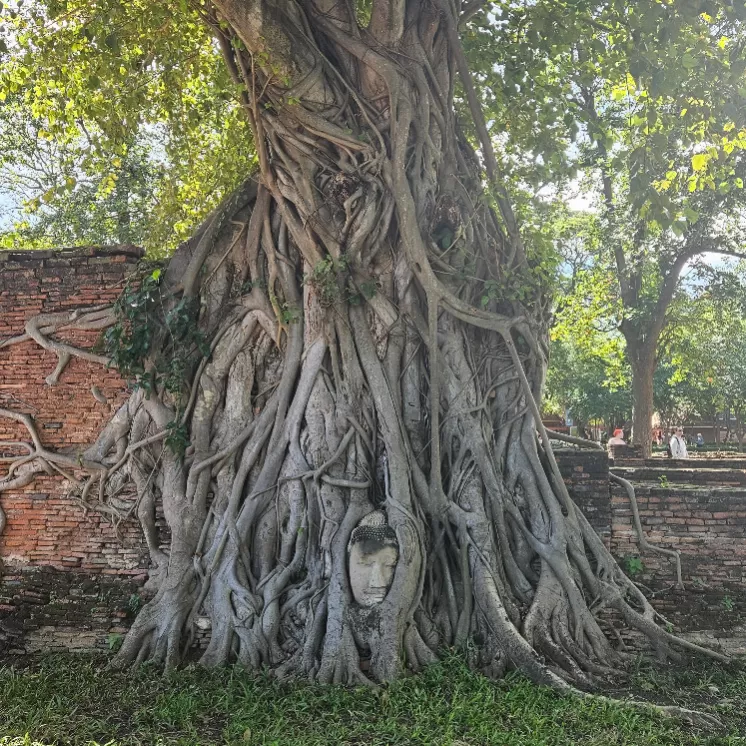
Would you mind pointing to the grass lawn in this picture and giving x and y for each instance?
(75, 700)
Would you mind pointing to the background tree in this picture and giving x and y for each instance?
(115, 146)
(592, 382)
(349, 349)
(60, 198)
(653, 125)
(699, 374)
(706, 352)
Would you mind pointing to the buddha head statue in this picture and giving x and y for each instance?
(373, 552)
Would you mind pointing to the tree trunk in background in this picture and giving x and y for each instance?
(643, 368)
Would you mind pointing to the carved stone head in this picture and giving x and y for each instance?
(373, 552)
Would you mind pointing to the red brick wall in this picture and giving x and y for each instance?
(698, 509)
(586, 474)
(706, 525)
(45, 527)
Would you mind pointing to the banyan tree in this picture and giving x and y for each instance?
(338, 381)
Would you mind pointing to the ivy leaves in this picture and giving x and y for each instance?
(156, 342)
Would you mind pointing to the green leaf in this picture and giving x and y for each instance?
(699, 161)
(691, 215)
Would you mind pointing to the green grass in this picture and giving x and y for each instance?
(64, 700)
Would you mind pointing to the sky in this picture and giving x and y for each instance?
(7, 211)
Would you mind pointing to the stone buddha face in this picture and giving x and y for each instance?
(373, 552)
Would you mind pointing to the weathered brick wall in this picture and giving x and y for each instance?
(45, 527)
(701, 512)
(706, 525)
(697, 507)
(67, 578)
(43, 609)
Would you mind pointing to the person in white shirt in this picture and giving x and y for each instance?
(678, 444)
(617, 439)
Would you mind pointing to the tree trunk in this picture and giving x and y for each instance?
(643, 369)
(341, 413)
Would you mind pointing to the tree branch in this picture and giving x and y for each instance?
(672, 279)
(469, 10)
(493, 169)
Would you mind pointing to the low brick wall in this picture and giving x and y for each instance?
(45, 609)
(586, 474)
(707, 526)
(699, 512)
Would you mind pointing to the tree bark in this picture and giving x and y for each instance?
(643, 405)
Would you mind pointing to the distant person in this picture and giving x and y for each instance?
(678, 444)
(700, 440)
(617, 439)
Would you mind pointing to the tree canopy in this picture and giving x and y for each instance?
(96, 94)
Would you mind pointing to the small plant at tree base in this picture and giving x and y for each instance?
(634, 566)
(114, 641)
(290, 314)
(134, 603)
